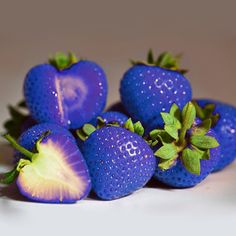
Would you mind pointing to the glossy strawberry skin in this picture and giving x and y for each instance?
(148, 90)
(120, 162)
(70, 97)
(29, 137)
(225, 129)
(178, 177)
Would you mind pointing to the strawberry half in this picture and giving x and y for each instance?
(55, 173)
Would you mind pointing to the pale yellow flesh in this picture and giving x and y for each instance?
(49, 176)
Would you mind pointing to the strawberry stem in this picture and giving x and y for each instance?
(18, 147)
(62, 61)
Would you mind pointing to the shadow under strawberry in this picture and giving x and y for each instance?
(11, 192)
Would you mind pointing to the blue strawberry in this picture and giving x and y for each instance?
(150, 88)
(224, 127)
(120, 161)
(55, 172)
(28, 138)
(66, 91)
(187, 149)
(111, 117)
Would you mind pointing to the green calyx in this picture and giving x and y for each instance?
(164, 60)
(10, 176)
(18, 115)
(84, 132)
(62, 61)
(206, 112)
(181, 138)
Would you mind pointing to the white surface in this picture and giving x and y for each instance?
(111, 32)
(210, 207)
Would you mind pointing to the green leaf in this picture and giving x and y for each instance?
(209, 109)
(203, 154)
(167, 60)
(43, 135)
(138, 128)
(155, 133)
(167, 118)
(154, 143)
(166, 164)
(150, 58)
(214, 119)
(207, 113)
(9, 177)
(199, 111)
(80, 133)
(191, 161)
(204, 142)
(188, 115)
(172, 124)
(170, 120)
(129, 125)
(167, 151)
(113, 124)
(202, 128)
(62, 61)
(172, 131)
(88, 129)
(18, 114)
(22, 104)
(100, 122)
(175, 112)
(165, 138)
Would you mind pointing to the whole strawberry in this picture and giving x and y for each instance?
(67, 91)
(151, 87)
(186, 148)
(120, 161)
(224, 125)
(55, 172)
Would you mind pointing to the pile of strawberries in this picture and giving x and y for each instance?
(67, 145)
